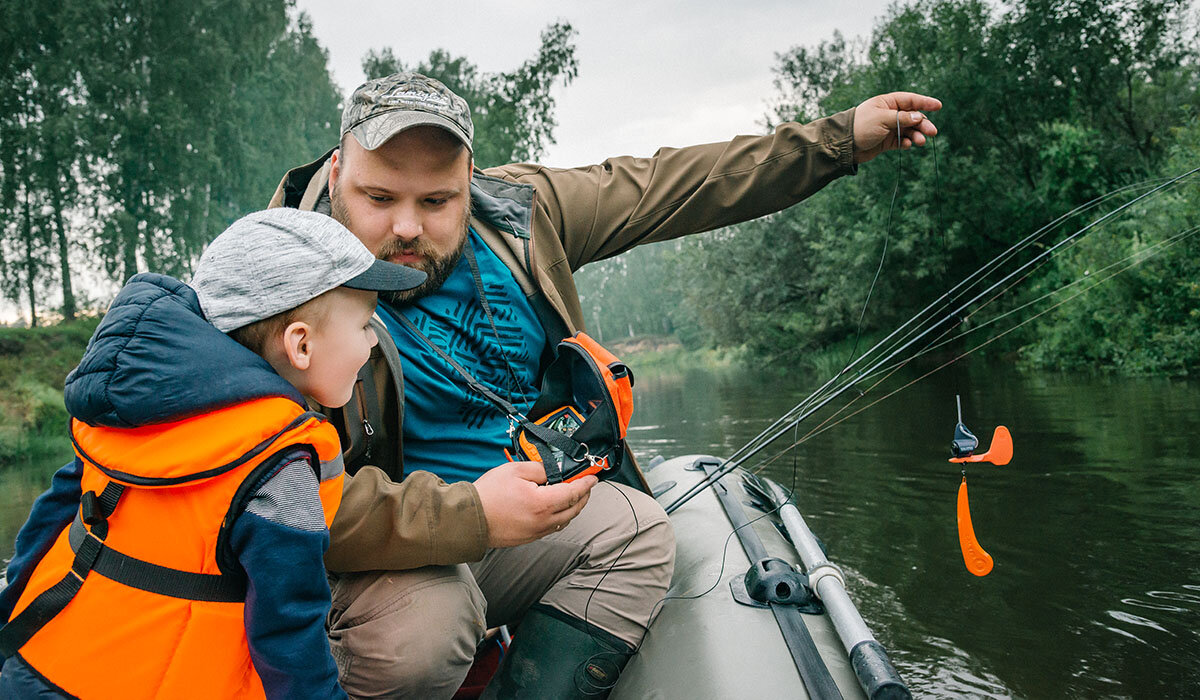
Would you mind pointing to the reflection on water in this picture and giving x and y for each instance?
(1093, 525)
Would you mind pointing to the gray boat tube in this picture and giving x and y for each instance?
(875, 672)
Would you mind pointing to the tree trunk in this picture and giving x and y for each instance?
(30, 268)
(64, 266)
(130, 235)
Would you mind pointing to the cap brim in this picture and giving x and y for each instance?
(383, 276)
(373, 132)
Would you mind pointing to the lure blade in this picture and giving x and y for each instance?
(978, 561)
(1000, 452)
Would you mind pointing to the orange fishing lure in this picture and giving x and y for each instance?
(963, 447)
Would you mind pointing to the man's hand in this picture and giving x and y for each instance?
(875, 123)
(520, 509)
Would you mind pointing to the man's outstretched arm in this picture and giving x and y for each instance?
(602, 210)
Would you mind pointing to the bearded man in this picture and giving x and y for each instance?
(439, 537)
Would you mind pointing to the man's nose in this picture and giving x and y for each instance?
(406, 224)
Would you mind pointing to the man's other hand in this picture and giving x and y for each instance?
(875, 123)
(518, 506)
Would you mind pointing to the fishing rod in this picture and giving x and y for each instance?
(1036, 261)
(803, 410)
(981, 272)
(825, 425)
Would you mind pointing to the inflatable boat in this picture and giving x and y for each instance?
(765, 616)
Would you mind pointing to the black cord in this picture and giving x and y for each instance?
(887, 234)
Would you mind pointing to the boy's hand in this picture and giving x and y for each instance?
(519, 508)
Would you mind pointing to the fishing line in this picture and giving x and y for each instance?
(723, 468)
(820, 398)
(977, 276)
(823, 427)
(934, 343)
(600, 656)
(887, 234)
(724, 556)
(1161, 244)
(1036, 260)
(603, 644)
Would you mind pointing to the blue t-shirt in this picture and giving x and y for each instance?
(449, 429)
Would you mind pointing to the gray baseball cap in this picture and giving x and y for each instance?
(381, 108)
(271, 261)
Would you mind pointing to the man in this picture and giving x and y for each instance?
(581, 566)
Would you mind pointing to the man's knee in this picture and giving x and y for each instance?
(642, 533)
(405, 634)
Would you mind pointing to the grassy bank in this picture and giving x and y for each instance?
(649, 353)
(33, 364)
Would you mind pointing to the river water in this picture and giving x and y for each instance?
(1094, 525)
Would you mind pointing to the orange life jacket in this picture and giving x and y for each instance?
(158, 611)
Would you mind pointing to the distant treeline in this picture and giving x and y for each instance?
(1047, 105)
(133, 131)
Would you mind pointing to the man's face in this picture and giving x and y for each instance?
(408, 201)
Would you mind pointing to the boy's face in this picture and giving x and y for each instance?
(341, 344)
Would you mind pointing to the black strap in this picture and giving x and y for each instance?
(91, 554)
(53, 600)
(469, 251)
(143, 575)
(813, 671)
(564, 443)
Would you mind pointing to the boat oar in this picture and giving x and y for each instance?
(874, 670)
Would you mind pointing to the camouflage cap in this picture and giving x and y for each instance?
(381, 108)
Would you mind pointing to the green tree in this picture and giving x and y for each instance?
(513, 111)
(138, 130)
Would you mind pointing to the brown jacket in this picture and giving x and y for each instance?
(545, 223)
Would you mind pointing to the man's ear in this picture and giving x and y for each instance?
(297, 344)
(335, 168)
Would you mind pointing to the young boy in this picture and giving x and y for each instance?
(180, 554)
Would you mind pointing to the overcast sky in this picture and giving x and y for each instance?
(652, 73)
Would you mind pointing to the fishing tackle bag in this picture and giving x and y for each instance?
(578, 424)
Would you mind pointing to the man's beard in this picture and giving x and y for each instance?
(436, 267)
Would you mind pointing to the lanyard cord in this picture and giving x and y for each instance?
(469, 251)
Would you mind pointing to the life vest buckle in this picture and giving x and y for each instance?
(90, 509)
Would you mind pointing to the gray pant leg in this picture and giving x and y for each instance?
(405, 634)
(414, 633)
(608, 566)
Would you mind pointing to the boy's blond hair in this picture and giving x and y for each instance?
(257, 336)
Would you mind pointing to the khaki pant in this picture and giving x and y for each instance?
(414, 633)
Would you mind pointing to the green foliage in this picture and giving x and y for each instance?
(33, 364)
(1046, 106)
(132, 132)
(513, 111)
(1147, 319)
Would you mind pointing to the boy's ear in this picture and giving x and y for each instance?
(297, 344)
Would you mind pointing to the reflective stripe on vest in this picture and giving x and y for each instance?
(181, 631)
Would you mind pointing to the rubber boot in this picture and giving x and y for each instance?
(554, 655)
